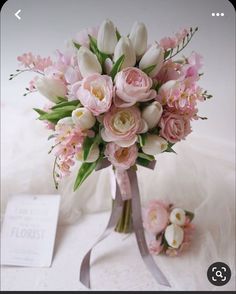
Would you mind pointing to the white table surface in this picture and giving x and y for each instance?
(116, 263)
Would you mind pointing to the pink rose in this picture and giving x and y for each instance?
(174, 127)
(121, 157)
(132, 85)
(156, 217)
(155, 247)
(95, 93)
(121, 125)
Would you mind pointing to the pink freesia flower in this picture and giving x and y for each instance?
(191, 68)
(121, 157)
(82, 37)
(155, 247)
(168, 43)
(95, 93)
(174, 127)
(121, 125)
(132, 86)
(156, 217)
(180, 97)
(34, 62)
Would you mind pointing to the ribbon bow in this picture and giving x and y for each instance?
(130, 176)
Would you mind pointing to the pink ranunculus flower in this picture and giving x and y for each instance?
(121, 125)
(174, 127)
(132, 85)
(156, 217)
(155, 247)
(95, 93)
(121, 157)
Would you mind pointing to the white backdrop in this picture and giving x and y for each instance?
(200, 177)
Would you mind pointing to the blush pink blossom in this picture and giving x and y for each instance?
(155, 247)
(168, 43)
(121, 157)
(34, 62)
(169, 71)
(121, 125)
(156, 217)
(191, 68)
(132, 85)
(95, 93)
(174, 127)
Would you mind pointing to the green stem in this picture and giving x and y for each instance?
(124, 223)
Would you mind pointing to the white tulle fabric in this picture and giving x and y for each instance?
(200, 178)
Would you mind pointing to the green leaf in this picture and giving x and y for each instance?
(52, 136)
(142, 139)
(148, 69)
(62, 99)
(146, 156)
(87, 146)
(93, 46)
(67, 103)
(85, 170)
(39, 111)
(117, 66)
(167, 53)
(189, 214)
(118, 35)
(77, 45)
(169, 148)
(142, 161)
(58, 114)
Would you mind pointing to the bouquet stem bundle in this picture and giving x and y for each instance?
(124, 224)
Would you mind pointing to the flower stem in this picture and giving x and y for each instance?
(124, 223)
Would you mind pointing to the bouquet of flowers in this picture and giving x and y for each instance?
(170, 226)
(116, 100)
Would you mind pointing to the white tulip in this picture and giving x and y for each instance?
(152, 114)
(138, 37)
(83, 118)
(153, 56)
(51, 88)
(93, 154)
(88, 62)
(177, 216)
(154, 145)
(65, 121)
(107, 39)
(174, 235)
(124, 46)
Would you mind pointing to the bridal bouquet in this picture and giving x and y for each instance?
(116, 100)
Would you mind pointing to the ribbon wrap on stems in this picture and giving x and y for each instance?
(131, 183)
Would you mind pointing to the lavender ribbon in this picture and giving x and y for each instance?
(137, 226)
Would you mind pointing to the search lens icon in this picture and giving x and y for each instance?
(219, 274)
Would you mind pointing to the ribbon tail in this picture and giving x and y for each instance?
(139, 231)
(114, 218)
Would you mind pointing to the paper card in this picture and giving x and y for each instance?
(29, 230)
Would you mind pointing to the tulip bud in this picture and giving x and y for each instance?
(83, 118)
(174, 235)
(124, 46)
(93, 154)
(138, 37)
(177, 216)
(51, 88)
(65, 121)
(88, 62)
(153, 56)
(152, 114)
(107, 40)
(154, 145)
